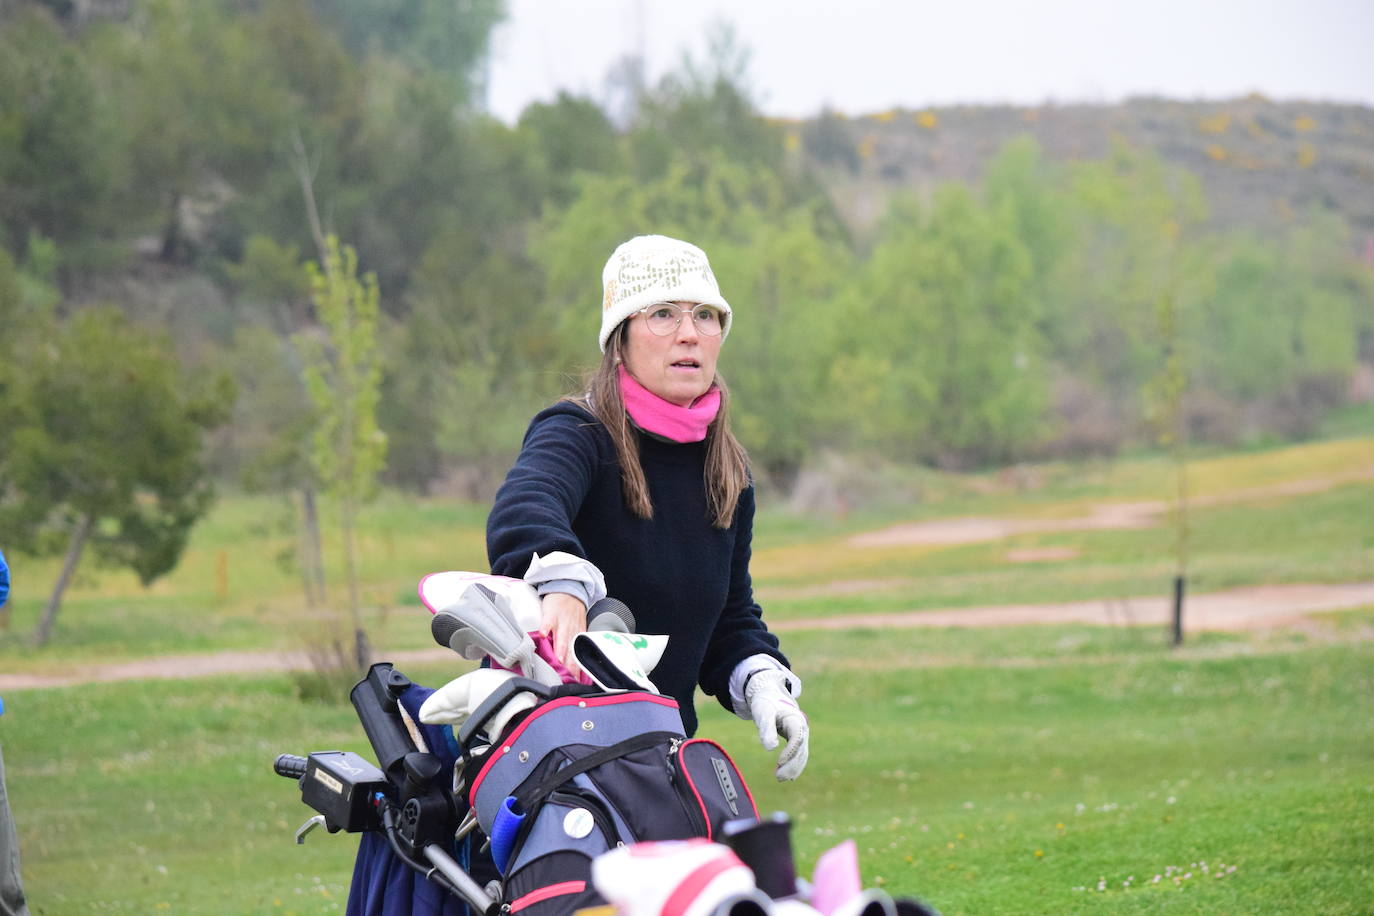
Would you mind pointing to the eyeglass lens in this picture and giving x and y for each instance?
(664, 319)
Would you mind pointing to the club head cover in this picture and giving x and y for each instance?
(690, 877)
(454, 703)
(836, 878)
(445, 589)
(493, 626)
(612, 661)
(543, 664)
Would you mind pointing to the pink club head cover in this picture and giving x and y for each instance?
(836, 879)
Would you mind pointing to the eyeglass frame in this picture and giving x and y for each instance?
(721, 315)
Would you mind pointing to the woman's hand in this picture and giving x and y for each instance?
(563, 618)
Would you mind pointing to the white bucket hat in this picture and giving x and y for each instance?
(654, 268)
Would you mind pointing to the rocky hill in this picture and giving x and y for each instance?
(1262, 163)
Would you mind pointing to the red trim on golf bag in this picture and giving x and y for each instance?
(539, 895)
(719, 783)
(561, 703)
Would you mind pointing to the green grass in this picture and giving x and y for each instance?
(237, 588)
(1322, 537)
(953, 756)
(1003, 771)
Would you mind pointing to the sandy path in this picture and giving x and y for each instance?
(1101, 517)
(1236, 609)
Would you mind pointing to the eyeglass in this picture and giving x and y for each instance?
(664, 318)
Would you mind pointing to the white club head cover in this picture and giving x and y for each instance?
(633, 655)
(690, 877)
(771, 704)
(445, 589)
(454, 703)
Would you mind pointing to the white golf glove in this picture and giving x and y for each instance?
(769, 701)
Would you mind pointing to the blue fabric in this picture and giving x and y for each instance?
(680, 576)
(4, 580)
(383, 885)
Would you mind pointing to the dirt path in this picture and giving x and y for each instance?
(1104, 516)
(1236, 609)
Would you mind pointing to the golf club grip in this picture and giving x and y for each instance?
(606, 613)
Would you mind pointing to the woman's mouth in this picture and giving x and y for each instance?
(686, 364)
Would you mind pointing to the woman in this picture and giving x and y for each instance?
(642, 491)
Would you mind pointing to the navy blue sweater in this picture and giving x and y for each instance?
(680, 575)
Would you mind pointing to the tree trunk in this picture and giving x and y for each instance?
(312, 557)
(79, 536)
(362, 651)
(171, 233)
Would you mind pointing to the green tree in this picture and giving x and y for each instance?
(343, 376)
(942, 356)
(473, 361)
(101, 445)
(569, 136)
(270, 438)
(61, 154)
(437, 35)
(704, 109)
(1137, 236)
(205, 108)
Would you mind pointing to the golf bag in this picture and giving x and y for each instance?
(584, 772)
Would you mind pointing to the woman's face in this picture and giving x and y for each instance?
(678, 367)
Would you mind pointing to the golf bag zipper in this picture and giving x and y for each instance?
(680, 781)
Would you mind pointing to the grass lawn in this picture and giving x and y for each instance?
(1016, 770)
(236, 587)
(1004, 771)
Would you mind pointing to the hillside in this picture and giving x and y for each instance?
(1262, 163)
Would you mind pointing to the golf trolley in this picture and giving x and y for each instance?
(548, 782)
(404, 799)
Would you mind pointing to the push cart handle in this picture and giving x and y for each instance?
(289, 765)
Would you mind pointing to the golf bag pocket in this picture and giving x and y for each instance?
(710, 786)
(559, 883)
(551, 871)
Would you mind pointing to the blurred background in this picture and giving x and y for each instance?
(1038, 305)
(957, 238)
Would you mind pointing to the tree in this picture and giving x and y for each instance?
(60, 155)
(704, 110)
(343, 376)
(1136, 224)
(443, 36)
(569, 135)
(101, 444)
(942, 355)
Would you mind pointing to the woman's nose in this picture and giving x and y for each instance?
(687, 329)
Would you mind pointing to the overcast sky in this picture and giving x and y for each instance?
(863, 56)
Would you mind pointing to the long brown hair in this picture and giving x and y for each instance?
(727, 465)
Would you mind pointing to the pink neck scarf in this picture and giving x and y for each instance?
(654, 415)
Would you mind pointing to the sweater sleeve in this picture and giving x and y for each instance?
(740, 632)
(535, 506)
